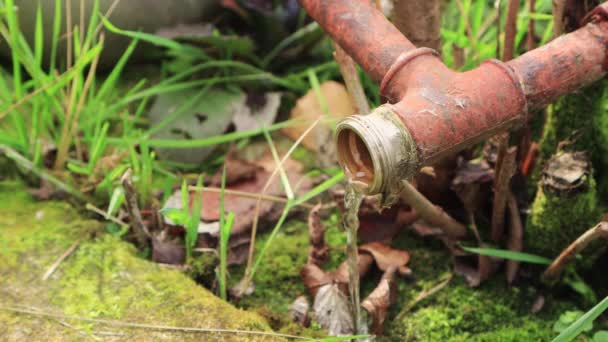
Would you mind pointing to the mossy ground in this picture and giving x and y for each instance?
(493, 312)
(103, 278)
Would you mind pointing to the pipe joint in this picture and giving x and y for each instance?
(400, 63)
(376, 150)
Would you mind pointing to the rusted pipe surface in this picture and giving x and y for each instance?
(362, 31)
(443, 111)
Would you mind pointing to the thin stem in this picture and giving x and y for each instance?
(430, 213)
(510, 30)
(350, 75)
(141, 231)
(555, 269)
(247, 195)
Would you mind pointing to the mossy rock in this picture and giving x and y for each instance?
(103, 278)
(565, 206)
(581, 120)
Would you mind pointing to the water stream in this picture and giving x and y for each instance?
(352, 201)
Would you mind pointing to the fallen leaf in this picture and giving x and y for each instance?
(381, 298)
(255, 111)
(168, 251)
(210, 114)
(298, 311)
(332, 310)
(318, 250)
(237, 170)
(387, 257)
(472, 183)
(314, 277)
(335, 99)
(566, 172)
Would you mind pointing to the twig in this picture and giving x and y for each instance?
(557, 9)
(114, 323)
(516, 237)
(247, 195)
(558, 265)
(504, 172)
(530, 43)
(59, 260)
(498, 6)
(141, 231)
(351, 78)
(427, 293)
(430, 213)
(510, 30)
(96, 210)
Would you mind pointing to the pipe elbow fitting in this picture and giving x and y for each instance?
(376, 150)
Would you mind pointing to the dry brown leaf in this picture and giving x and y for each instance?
(378, 302)
(387, 257)
(333, 310)
(338, 102)
(237, 170)
(318, 250)
(298, 311)
(314, 277)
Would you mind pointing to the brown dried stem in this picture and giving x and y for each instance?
(557, 9)
(350, 75)
(530, 43)
(510, 30)
(504, 171)
(430, 213)
(555, 269)
(516, 237)
(139, 227)
(245, 194)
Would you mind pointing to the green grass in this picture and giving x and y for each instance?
(579, 325)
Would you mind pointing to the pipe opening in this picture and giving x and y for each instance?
(355, 157)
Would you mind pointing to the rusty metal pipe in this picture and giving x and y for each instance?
(433, 111)
(362, 31)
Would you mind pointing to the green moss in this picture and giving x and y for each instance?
(102, 278)
(277, 279)
(492, 312)
(555, 221)
(459, 313)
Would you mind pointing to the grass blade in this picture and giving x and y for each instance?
(320, 188)
(282, 174)
(510, 255)
(577, 327)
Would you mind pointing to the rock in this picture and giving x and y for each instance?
(103, 278)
